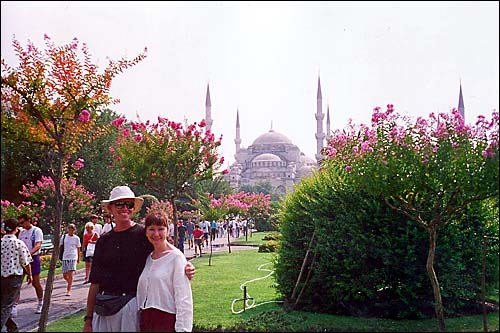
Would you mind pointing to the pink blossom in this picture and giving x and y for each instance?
(118, 122)
(78, 164)
(84, 116)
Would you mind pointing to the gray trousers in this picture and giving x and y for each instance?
(10, 289)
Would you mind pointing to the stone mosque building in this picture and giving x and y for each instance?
(272, 156)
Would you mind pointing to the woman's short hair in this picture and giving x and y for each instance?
(156, 219)
(89, 224)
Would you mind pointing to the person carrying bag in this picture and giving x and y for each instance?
(89, 239)
(61, 248)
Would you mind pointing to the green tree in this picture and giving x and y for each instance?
(429, 170)
(99, 176)
(52, 98)
(165, 158)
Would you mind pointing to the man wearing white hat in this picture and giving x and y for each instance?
(119, 259)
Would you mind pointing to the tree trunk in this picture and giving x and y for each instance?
(434, 281)
(309, 273)
(483, 286)
(303, 266)
(49, 285)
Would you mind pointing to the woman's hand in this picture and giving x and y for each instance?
(190, 270)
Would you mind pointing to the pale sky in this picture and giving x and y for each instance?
(264, 58)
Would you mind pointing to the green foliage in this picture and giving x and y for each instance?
(370, 259)
(276, 236)
(262, 186)
(269, 246)
(99, 176)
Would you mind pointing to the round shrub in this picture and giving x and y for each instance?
(269, 246)
(369, 260)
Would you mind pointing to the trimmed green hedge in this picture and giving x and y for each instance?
(369, 260)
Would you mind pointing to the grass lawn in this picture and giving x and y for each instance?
(216, 286)
(254, 238)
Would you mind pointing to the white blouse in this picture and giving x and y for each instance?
(163, 285)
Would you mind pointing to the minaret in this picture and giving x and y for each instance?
(461, 108)
(328, 133)
(319, 124)
(237, 141)
(208, 110)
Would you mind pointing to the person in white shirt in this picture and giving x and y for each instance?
(205, 227)
(71, 256)
(97, 226)
(32, 236)
(108, 224)
(164, 292)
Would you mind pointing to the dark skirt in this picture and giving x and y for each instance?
(154, 320)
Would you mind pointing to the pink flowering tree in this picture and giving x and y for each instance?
(165, 157)
(11, 210)
(162, 206)
(429, 169)
(79, 202)
(51, 99)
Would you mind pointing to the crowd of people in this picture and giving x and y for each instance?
(131, 267)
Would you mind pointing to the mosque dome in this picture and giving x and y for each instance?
(271, 137)
(267, 158)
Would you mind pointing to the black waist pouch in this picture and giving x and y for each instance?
(108, 305)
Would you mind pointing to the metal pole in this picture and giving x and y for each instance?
(244, 297)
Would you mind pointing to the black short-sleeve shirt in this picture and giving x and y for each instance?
(119, 259)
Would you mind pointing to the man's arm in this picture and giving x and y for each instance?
(37, 247)
(27, 269)
(89, 314)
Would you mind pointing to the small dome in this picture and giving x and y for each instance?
(266, 158)
(271, 137)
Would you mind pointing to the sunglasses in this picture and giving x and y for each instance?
(121, 204)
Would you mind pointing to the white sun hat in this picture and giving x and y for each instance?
(122, 192)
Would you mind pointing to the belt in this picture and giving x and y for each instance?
(117, 293)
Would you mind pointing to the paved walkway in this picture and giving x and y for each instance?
(62, 305)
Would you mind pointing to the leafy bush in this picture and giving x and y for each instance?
(45, 262)
(272, 236)
(369, 260)
(269, 246)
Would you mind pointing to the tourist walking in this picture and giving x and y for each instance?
(108, 223)
(190, 229)
(71, 256)
(181, 232)
(97, 226)
(32, 236)
(90, 238)
(198, 239)
(16, 259)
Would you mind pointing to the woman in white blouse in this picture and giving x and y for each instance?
(164, 292)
